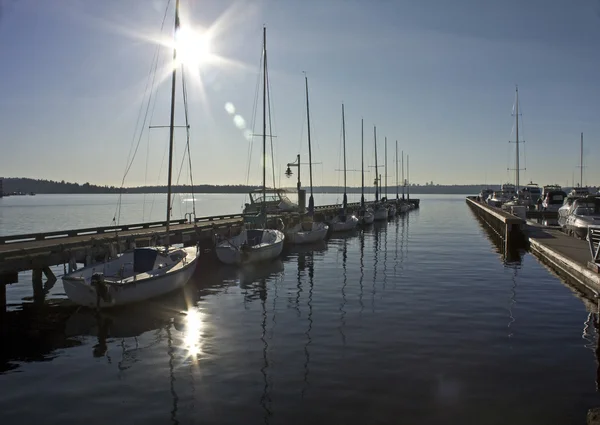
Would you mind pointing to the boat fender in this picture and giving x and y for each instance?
(102, 289)
(280, 225)
(245, 249)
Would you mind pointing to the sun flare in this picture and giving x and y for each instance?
(193, 48)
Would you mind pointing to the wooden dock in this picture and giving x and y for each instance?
(39, 251)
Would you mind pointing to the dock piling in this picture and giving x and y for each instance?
(8, 278)
(2, 305)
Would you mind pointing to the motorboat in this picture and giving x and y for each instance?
(550, 188)
(485, 194)
(509, 189)
(553, 200)
(584, 212)
(565, 209)
(498, 198)
(530, 194)
(579, 191)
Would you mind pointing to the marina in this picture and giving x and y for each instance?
(277, 213)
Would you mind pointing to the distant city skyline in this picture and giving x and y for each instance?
(437, 76)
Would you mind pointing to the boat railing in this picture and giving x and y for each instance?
(190, 217)
(107, 229)
(594, 242)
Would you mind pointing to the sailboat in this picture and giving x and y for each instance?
(308, 230)
(379, 209)
(402, 205)
(390, 206)
(365, 213)
(344, 222)
(255, 245)
(142, 273)
(577, 192)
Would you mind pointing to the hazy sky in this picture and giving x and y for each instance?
(438, 76)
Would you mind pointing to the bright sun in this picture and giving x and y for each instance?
(193, 48)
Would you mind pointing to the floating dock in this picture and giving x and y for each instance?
(567, 256)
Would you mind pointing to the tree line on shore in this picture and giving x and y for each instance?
(27, 185)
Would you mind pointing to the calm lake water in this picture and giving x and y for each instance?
(419, 320)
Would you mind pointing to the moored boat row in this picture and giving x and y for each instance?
(144, 273)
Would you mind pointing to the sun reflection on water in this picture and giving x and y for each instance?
(193, 333)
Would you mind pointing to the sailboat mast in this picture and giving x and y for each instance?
(517, 142)
(407, 179)
(345, 202)
(581, 163)
(172, 124)
(397, 170)
(264, 132)
(362, 163)
(311, 201)
(376, 169)
(403, 181)
(385, 168)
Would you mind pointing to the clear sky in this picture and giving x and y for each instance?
(438, 76)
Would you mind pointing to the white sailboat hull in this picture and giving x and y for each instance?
(337, 225)
(304, 233)
(368, 217)
(122, 284)
(251, 246)
(381, 213)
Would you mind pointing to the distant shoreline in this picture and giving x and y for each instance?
(39, 186)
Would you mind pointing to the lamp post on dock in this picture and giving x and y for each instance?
(301, 193)
(289, 173)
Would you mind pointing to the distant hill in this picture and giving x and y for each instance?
(15, 184)
(26, 185)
